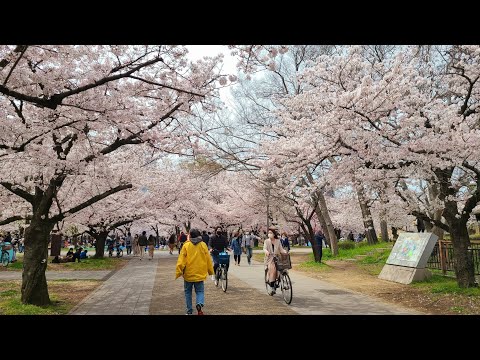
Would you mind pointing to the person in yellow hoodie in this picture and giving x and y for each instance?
(194, 262)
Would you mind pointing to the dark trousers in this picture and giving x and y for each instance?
(237, 258)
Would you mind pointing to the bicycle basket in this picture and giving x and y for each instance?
(283, 262)
(223, 258)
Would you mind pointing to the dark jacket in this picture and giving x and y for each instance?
(218, 243)
(142, 240)
(205, 238)
(285, 243)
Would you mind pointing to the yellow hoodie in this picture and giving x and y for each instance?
(194, 261)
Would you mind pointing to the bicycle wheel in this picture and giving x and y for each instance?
(217, 275)
(286, 286)
(224, 279)
(5, 259)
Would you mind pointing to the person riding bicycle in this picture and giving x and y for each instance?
(217, 244)
(272, 246)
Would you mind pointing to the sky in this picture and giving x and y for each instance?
(229, 62)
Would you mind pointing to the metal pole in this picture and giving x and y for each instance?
(268, 209)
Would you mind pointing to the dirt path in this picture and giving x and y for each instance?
(354, 277)
(240, 299)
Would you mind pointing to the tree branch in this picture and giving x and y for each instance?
(24, 48)
(56, 99)
(90, 202)
(165, 86)
(133, 138)
(431, 221)
(11, 219)
(19, 192)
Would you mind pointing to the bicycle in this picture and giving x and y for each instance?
(5, 256)
(222, 272)
(283, 281)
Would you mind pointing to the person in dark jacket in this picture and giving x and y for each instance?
(217, 244)
(319, 240)
(236, 245)
(420, 225)
(76, 255)
(285, 242)
(142, 242)
(205, 237)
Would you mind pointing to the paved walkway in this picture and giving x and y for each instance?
(130, 291)
(126, 292)
(316, 297)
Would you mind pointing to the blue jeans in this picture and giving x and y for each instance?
(249, 253)
(199, 294)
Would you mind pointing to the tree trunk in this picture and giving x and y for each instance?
(367, 217)
(322, 204)
(323, 225)
(310, 236)
(433, 193)
(384, 230)
(100, 238)
(428, 225)
(187, 226)
(436, 230)
(34, 281)
(464, 270)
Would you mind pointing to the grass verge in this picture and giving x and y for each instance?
(85, 264)
(64, 295)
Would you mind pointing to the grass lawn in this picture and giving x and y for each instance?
(365, 262)
(85, 264)
(439, 284)
(64, 295)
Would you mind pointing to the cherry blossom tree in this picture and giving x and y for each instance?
(68, 109)
(416, 120)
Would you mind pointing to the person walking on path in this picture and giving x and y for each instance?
(142, 242)
(194, 263)
(136, 247)
(151, 246)
(171, 243)
(128, 243)
(285, 242)
(205, 237)
(272, 246)
(420, 225)
(247, 245)
(181, 240)
(237, 248)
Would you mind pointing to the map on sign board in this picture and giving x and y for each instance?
(412, 249)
